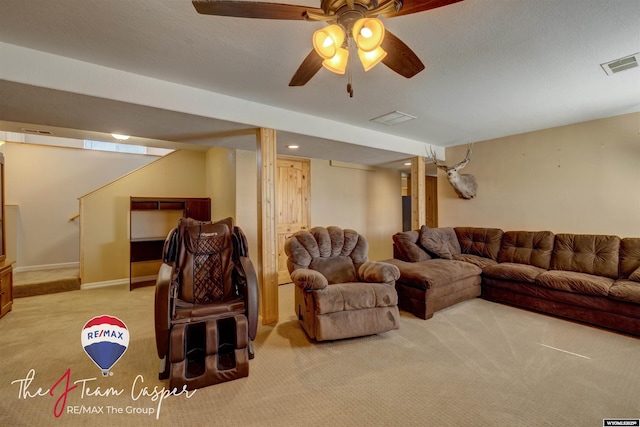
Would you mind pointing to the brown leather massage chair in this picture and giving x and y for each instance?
(206, 305)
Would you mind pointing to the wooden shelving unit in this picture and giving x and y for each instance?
(151, 219)
(6, 269)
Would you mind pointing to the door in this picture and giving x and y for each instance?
(292, 205)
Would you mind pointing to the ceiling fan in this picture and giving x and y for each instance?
(350, 21)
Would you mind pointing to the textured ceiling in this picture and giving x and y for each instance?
(493, 68)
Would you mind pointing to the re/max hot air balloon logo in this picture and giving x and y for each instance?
(105, 339)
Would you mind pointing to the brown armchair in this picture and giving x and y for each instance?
(206, 305)
(339, 293)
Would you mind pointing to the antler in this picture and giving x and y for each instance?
(465, 162)
(432, 156)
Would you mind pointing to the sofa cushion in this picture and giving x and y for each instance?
(484, 242)
(513, 271)
(625, 290)
(586, 253)
(334, 241)
(434, 272)
(571, 281)
(635, 276)
(354, 296)
(337, 269)
(481, 262)
(407, 246)
(442, 242)
(630, 258)
(527, 247)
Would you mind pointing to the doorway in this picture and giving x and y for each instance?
(293, 198)
(431, 201)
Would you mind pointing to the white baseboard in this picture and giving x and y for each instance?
(106, 283)
(46, 267)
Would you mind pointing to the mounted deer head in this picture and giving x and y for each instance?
(465, 184)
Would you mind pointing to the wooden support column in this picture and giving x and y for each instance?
(267, 238)
(418, 194)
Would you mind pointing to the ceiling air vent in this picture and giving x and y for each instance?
(393, 118)
(37, 131)
(620, 64)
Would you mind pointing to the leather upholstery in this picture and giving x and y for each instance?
(203, 338)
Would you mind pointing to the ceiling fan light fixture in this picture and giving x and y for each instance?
(368, 33)
(371, 59)
(338, 63)
(327, 41)
(120, 137)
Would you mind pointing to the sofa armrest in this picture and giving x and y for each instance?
(309, 280)
(378, 272)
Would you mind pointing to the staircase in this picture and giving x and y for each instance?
(40, 282)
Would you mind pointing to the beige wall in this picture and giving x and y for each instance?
(221, 182)
(104, 213)
(581, 178)
(246, 198)
(232, 186)
(44, 183)
(371, 203)
(368, 201)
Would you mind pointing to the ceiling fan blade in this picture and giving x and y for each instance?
(309, 67)
(415, 6)
(251, 9)
(400, 58)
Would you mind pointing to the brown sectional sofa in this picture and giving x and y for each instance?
(593, 279)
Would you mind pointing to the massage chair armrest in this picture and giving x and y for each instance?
(251, 295)
(163, 309)
(309, 280)
(378, 272)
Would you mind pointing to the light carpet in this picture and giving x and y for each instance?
(40, 282)
(475, 364)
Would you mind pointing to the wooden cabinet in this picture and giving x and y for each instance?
(151, 219)
(6, 270)
(6, 289)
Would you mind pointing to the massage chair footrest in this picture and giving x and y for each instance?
(208, 352)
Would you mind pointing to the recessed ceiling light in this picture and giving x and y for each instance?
(120, 137)
(407, 163)
(293, 147)
(392, 118)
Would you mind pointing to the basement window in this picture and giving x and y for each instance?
(114, 147)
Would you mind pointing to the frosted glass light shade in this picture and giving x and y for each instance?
(337, 63)
(328, 40)
(120, 137)
(368, 33)
(370, 59)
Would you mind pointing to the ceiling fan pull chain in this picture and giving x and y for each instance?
(349, 85)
